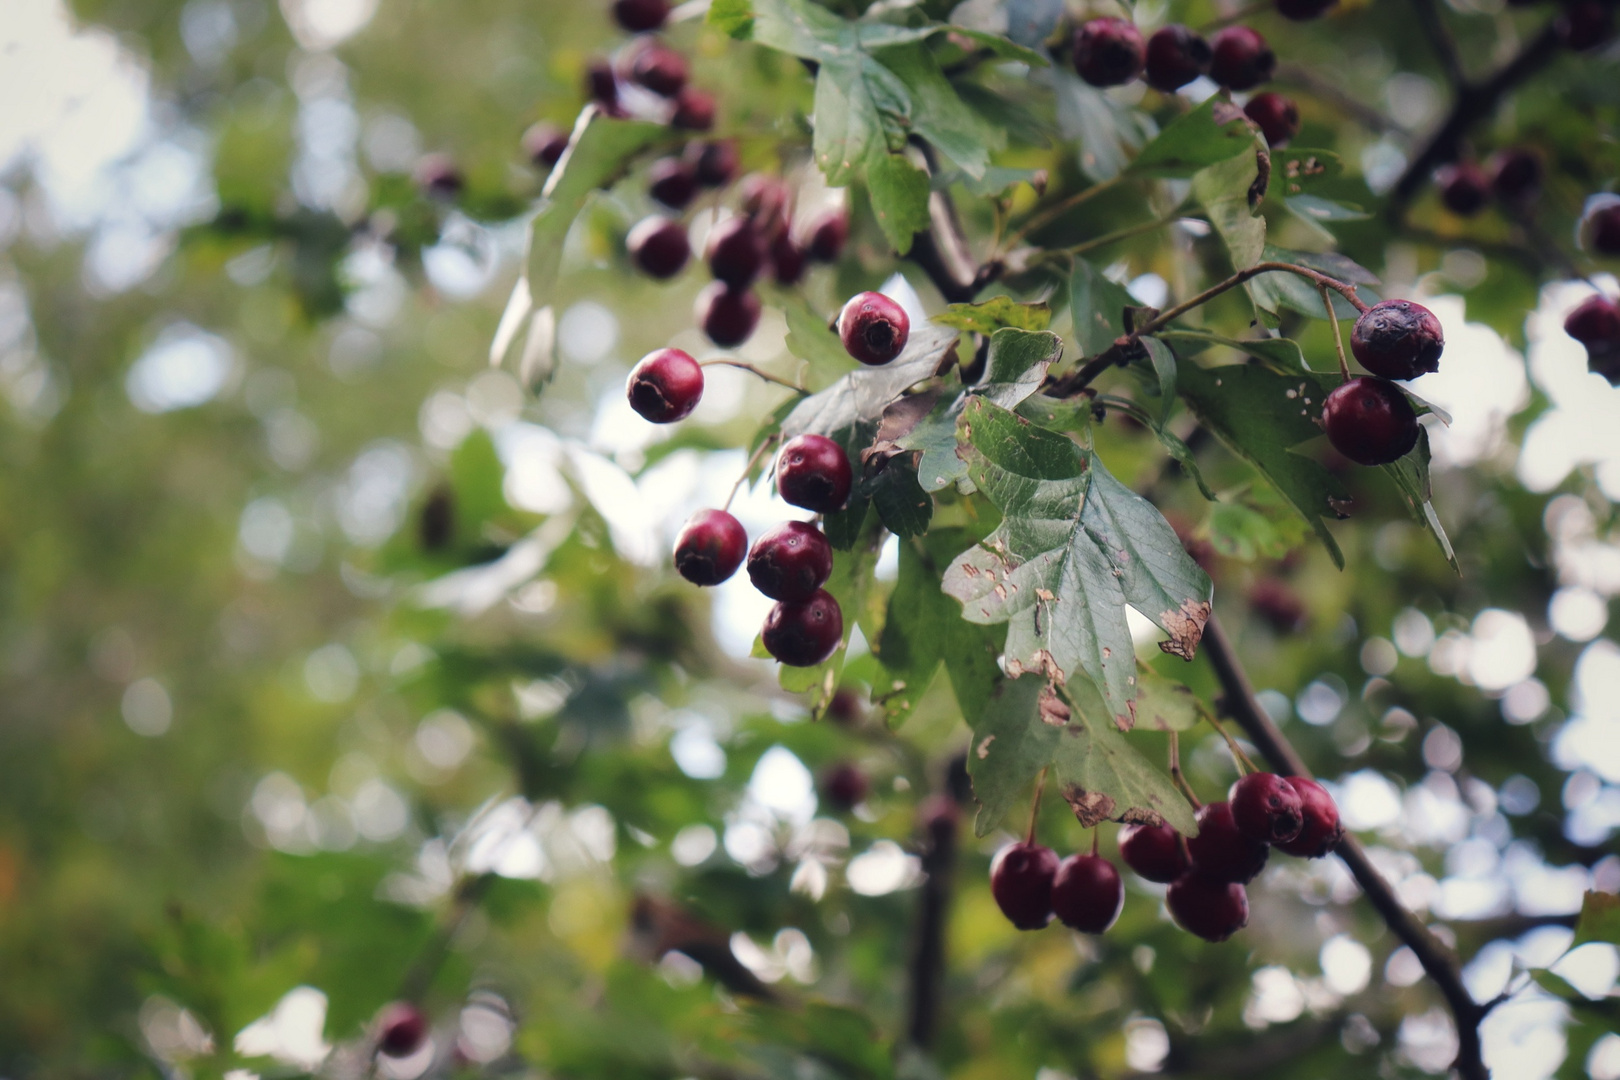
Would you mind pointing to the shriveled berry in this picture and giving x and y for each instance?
(790, 562)
(827, 236)
(735, 252)
(874, 328)
(728, 316)
(1087, 893)
(401, 1029)
(813, 472)
(672, 182)
(658, 247)
(438, 177)
(640, 16)
(1398, 340)
(715, 162)
(1267, 808)
(844, 786)
(1108, 51)
(544, 144)
(694, 110)
(803, 635)
(1277, 116)
(710, 547)
(1303, 10)
(1464, 188)
(1279, 604)
(1241, 58)
(1516, 175)
(665, 386)
(1596, 325)
(1370, 421)
(787, 259)
(1600, 230)
(1213, 910)
(1175, 57)
(1154, 851)
(1220, 851)
(1021, 878)
(1585, 24)
(1322, 830)
(659, 68)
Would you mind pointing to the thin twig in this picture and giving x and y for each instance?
(1440, 40)
(767, 376)
(927, 975)
(1112, 238)
(753, 460)
(1035, 806)
(1338, 338)
(1052, 213)
(1176, 773)
(1244, 764)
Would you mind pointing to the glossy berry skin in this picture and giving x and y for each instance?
(1175, 57)
(710, 547)
(788, 259)
(735, 252)
(1585, 24)
(874, 328)
(1303, 10)
(1516, 175)
(790, 562)
(803, 635)
(1322, 830)
(665, 386)
(1370, 421)
(844, 786)
(1465, 188)
(438, 177)
(672, 182)
(1220, 850)
(401, 1029)
(1241, 58)
(660, 69)
(814, 473)
(1108, 52)
(658, 247)
(694, 110)
(1266, 808)
(1398, 340)
(640, 16)
(1596, 325)
(1213, 910)
(1154, 851)
(1087, 893)
(827, 236)
(1021, 877)
(544, 145)
(715, 163)
(1277, 116)
(728, 316)
(1600, 230)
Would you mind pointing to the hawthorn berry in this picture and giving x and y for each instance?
(1021, 878)
(715, 163)
(1087, 893)
(601, 85)
(1596, 325)
(710, 547)
(1108, 51)
(845, 707)
(814, 473)
(1175, 57)
(1213, 910)
(1303, 10)
(1221, 851)
(844, 785)
(640, 16)
(787, 259)
(544, 144)
(1277, 117)
(735, 252)
(401, 1029)
(728, 316)
(804, 634)
(1585, 24)
(1156, 852)
(659, 68)
(1278, 604)
(1600, 229)
(1465, 188)
(827, 236)
(764, 200)
(1240, 58)
(874, 328)
(438, 177)
(694, 110)
(1370, 421)
(790, 562)
(1267, 808)
(665, 386)
(1322, 829)
(658, 247)
(672, 182)
(1516, 175)
(1398, 340)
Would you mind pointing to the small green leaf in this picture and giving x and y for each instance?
(1411, 476)
(1281, 354)
(1108, 132)
(991, 315)
(993, 184)
(1230, 193)
(1104, 778)
(1097, 306)
(1164, 369)
(734, 18)
(938, 114)
(1255, 524)
(900, 501)
(1599, 920)
(1208, 135)
(1000, 46)
(899, 193)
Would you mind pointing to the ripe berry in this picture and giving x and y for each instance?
(874, 328)
(787, 259)
(844, 786)
(1398, 340)
(1516, 175)
(1241, 58)
(735, 252)
(827, 236)
(1370, 421)
(665, 386)
(1322, 830)
(714, 162)
(1021, 881)
(601, 84)
(764, 199)
(1276, 602)
(1267, 808)
(790, 562)
(659, 68)
(1600, 230)
(710, 547)
(544, 144)
(1108, 52)
(727, 315)
(845, 707)
(1214, 910)
(1154, 851)
(1087, 893)
(438, 177)
(672, 182)
(1585, 24)
(1464, 188)
(1175, 57)
(1222, 852)
(803, 635)
(694, 110)
(813, 472)
(640, 16)
(1303, 10)
(658, 247)
(1596, 325)
(401, 1027)
(1277, 116)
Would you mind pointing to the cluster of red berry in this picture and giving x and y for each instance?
(792, 561)
(1368, 419)
(1513, 177)
(1206, 873)
(1596, 322)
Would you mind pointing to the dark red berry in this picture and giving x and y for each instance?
(1322, 830)
(787, 259)
(735, 252)
(640, 16)
(765, 199)
(710, 547)
(1303, 10)
(1222, 852)
(665, 386)
(544, 144)
(1154, 851)
(1108, 52)
(1464, 188)
(827, 236)
(659, 68)
(790, 562)
(438, 177)
(874, 328)
(1175, 57)
(694, 110)
(715, 162)
(601, 84)
(813, 472)
(1087, 893)
(401, 1028)
(727, 315)
(1370, 421)
(1267, 808)
(1516, 175)
(1585, 24)
(658, 247)
(1279, 604)
(1398, 340)
(845, 707)
(1214, 910)
(1021, 881)
(1277, 116)
(844, 785)
(1241, 58)
(1600, 230)
(1596, 325)
(672, 182)
(803, 635)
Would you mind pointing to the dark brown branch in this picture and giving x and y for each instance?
(927, 973)
(1440, 40)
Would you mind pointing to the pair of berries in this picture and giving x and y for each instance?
(1111, 52)
(1084, 892)
(1596, 325)
(1368, 419)
(658, 68)
(1512, 177)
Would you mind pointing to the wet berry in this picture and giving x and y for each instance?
(658, 247)
(659, 68)
(803, 635)
(544, 144)
(672, 182)
(1108, 52)
(1021, 878)
(1087, 893)
(1465, 188)
(710, 547)
(640, 16)
(790, 562)
(1516, 175)
(665, 386)
(874, 328)
(1322, 830)
(827, 236)
(401, 1029)
(1154, 851)
(1398, 340)
(1175, 57)
(1213, 910)
(1277, 116)
(1241, 58)
(1266, 808)
(735, 252)
(814, 473)
(728, 316)
(844, 786)
(1370, 421)
(1220, 850)
(694, 110)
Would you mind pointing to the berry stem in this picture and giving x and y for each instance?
(1096, 833)
(1035, 807)
(748, 468)
(1109, 238)
(1244, 765)
(750, 367)
(1338, 338)
(1175, 771)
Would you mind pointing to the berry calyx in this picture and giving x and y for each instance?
(728, 316)
(640, 16)
(1154, 851)
(735, 252)
(1221, 851)
(1266, 808)
(715, 163)
(544, 144)
(659, 68)
(874, 328)
(1277, 117)
(658, 247)
(1303, 10)
(1108, 51)
(787, 259)
(1398, 340)
(1021, 877)
(1464, 188)
(790, 562)
(1600, 230)
(1175, 57)
(814, 473)
(401, 1029)
(1241, 59)
(1516, 175)
(844, 786)
(803, 635)
(1213, 910)
(1596, 325)
(672, 182)
(694, 110)
(665, 386)
(438, 177)
(710, 548)
(1087, 893)
(1370, 421)
(827, 236)
(1322, 830)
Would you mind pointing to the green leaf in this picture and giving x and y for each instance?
(1255, 524)
(900, 501)
(1003, 48)
(1164, 368)
(994, 183)
(861, 113)
(938, 114)
(1281, 354)
(899, 193)
(1230, 193)
(1163, 704)
(1280, 289)
(991, 315)
(1097, 307)
(1294, 171)
(1599, 920)
(735, 18)
(1011, 744)
(1107, 131)
(1411, 476)
(812, 340)
(1183, 455)
(1208, 135)
(798, 27)
(1314, 208)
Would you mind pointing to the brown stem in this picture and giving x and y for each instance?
(927, 976)
(1035, 807)
(1176, 773)
(767, 376)
(1238, 756)
(1338, 338)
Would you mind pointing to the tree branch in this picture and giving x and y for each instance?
(1445, 49)
(927, 973)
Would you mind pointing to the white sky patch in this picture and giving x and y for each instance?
(1579, 428)
(185, 367)
(1481, 383)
